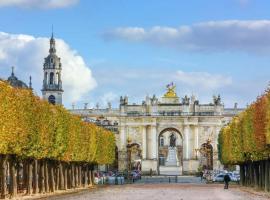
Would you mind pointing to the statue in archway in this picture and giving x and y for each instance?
(172, 140)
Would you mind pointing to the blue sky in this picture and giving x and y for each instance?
(135, 48)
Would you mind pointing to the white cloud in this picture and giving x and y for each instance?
(211, 36)
(203, 80)
(27, 54)
(109, 97)
(47, 4)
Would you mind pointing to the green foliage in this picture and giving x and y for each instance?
(30, 127)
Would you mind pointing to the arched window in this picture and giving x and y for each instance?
(57, 78)
(161, 142)
(51, 99)
(51, 78)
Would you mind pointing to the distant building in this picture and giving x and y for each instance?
(15, 82)
(170, 135)
(52, 83)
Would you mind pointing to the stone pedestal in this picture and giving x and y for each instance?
(147, 165)
(172, 159)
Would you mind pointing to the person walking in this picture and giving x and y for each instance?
(227, 179)
(201, 175)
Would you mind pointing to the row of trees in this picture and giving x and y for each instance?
(44, 146)
(245, 141)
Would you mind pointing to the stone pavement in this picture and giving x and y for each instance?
(167, 191)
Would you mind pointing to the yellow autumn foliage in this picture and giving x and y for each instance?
(31, 127)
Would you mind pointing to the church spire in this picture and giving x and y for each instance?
(52, 44)
(12, 71)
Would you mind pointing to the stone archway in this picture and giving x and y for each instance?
(170, 152)
(134, 156)
(207, 156)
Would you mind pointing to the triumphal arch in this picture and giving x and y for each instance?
(168, 135)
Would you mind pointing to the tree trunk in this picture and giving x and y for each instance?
(266, 180)
(13, 179)
(29, 177)
(46, 173)
(242, 174)
(79, 175)
(35, 177)
(18, 172)
(92, 177)
(51, 176)
(88, 175)
(72, 175)
(61, 176)
(3, 175)
(57, 174)
(256, 175)
(252, 175)
(42, 177)
(84, 171)
(65, 169)
(76, 175)
(25, 172)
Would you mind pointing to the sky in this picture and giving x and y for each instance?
(112, 48)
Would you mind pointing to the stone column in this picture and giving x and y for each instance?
(196, 141)
(144, 143)
(186, 142)
(123, 138)
(154, 142)
(122, 153)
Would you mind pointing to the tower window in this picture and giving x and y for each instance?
(45, 78)
(51, 99)
(161, 142)
(51, 78)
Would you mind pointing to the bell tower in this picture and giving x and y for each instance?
(52, 83)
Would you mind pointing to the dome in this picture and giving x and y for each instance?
(15, 82)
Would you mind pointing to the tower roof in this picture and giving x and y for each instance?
(52, 45)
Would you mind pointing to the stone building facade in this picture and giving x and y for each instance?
(167, 135)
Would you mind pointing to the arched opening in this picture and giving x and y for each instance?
(51, 99)
(170, 151)
(134, 156)
(57, 78)
(207, 156)
(51, 78)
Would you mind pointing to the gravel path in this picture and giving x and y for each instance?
(164, 191)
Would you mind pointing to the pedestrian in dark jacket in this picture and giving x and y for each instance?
(201, 175)
(227, 179)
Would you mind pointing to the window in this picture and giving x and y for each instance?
(45, 77)
(161, 142)
(51, 78)
(51, 99)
